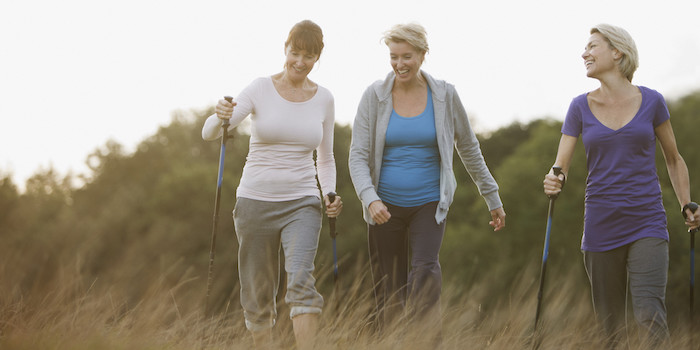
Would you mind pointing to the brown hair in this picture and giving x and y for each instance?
(306, 35)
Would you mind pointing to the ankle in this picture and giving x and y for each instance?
(262, 339)
(305, 329)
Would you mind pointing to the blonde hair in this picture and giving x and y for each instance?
(622, 41)
(412, 33)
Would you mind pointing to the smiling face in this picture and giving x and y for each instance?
(299, 63)
(405, 61)
(599, 57)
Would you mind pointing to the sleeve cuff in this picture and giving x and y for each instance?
(493, 200)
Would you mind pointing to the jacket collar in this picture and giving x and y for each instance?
(383, 89)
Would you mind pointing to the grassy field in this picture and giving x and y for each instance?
(65, 311)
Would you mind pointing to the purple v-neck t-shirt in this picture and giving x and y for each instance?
(623, 195)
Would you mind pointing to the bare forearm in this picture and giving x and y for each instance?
(680, 179)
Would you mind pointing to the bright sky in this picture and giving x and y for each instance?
(76, 73)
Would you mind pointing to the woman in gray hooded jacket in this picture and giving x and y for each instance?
(404, 135)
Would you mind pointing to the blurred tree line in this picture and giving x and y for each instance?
(145, 217)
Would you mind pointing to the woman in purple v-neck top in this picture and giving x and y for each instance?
(623, 197)
(625, 239)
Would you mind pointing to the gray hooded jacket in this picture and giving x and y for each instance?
(453, 131)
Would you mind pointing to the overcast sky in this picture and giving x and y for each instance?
(76, 73)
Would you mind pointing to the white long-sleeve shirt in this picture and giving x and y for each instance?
(284, 134)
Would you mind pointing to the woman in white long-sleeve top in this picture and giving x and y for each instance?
(278, 203)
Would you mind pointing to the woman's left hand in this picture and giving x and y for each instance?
(333, 209)
(498, 219)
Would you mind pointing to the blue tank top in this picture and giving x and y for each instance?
(410, 174)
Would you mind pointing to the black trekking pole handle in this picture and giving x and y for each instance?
(226, 122)
(331, 221)
(693, 208)
(557, 171)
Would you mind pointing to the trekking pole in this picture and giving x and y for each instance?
(331, 223)
(224, 126)
(545, 251)
(693, 207)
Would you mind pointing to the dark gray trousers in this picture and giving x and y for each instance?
(400, 291)
(641, 267)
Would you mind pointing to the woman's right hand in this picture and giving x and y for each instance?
(553, 184)
(224, 109)
(379, 213)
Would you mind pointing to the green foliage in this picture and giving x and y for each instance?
(9, 198)
(147, 215)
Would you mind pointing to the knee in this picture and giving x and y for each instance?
(426, 278)
(300, 279)
(301, 291)
(426, 268)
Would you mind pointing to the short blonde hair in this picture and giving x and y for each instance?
(622, 41)
(412, 33)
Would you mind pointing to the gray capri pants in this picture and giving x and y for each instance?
(263, 227)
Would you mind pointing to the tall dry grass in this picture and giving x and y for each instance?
(67, 311)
